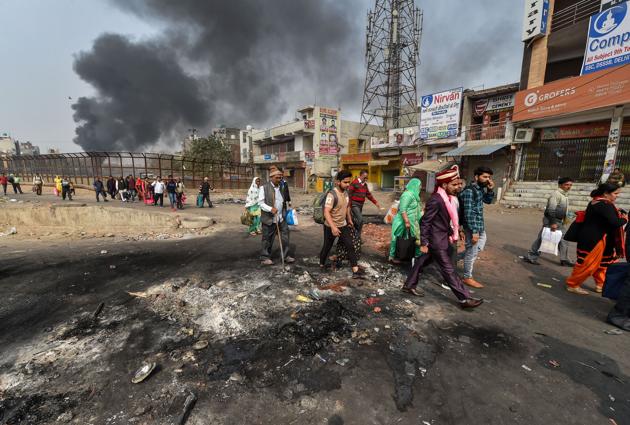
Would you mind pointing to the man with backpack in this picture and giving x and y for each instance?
(338, 222)
(273, 211)
(478, 192)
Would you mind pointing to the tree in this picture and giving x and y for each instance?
(208, 149)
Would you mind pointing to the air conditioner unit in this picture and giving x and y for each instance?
(523, 135)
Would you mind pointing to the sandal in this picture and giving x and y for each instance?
(577, 290)
(413, 291)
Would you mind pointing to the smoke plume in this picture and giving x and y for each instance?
(217, 62)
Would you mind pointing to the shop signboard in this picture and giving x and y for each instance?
(493, 104)
(409, 159)
(578, 131)
(608, 41)
(439, 114)
(600, 89)
(535, 19)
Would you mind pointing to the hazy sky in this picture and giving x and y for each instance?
(465, 43)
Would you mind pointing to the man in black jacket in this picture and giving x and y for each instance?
(205, 189)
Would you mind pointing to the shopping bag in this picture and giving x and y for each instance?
(550, 241)
(391, 213)
(405, 247)
(616, 275)
(55, 191)
(291, 217)
(199, 200)
(183, 199)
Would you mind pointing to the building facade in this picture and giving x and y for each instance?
(307, 149)
(486, 135)
(575, 91)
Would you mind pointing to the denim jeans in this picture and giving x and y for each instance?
(172, 197)
(472, 251)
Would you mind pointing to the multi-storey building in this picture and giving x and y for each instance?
(575, 90)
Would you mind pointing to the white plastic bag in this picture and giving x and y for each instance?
(391, 213)
(550, 241)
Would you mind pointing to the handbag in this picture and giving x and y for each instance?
(616, 275)
(575, 228)
(405, 246)
(246, 218)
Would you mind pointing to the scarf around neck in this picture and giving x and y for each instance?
(452, 212)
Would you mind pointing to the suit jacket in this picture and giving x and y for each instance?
(435, 226)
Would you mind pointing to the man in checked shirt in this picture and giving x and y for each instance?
(478, 192)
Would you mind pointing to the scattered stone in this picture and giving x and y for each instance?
(65, 417)
(308, 403)
(141, 410)
(104, 251)
(112, 266)
(237, 377)
(613, 331)
(200, 345)
(342, 362)
(143, 373)
(212, 368)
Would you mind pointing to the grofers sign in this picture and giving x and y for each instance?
(439, 114)
(535, 19)
(608, 39)
(578, 94)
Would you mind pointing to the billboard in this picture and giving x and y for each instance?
(535, 19)
(328, 121)
(439, 115)
(578, 94)
(608, 42)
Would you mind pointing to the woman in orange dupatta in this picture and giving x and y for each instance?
(600, 239)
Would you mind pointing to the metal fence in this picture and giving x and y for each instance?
(579, 11)
(82, 168)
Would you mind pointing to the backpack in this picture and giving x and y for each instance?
(318, 206)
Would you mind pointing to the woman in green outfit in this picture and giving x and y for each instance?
(408, 217)
(253, 208)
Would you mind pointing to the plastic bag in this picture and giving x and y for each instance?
(55, 191)
(550, 241)
(292, 219)
(391, 213)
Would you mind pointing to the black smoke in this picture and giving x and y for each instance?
(232, 62)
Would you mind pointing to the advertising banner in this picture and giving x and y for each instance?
(328, 123)
(402, 137)
(597, 90)
(493, 104)
(439, 114)
(608, 42)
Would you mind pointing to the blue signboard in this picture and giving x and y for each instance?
(608, 42)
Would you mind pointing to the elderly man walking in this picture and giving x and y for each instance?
(273, 210)
(555, 217)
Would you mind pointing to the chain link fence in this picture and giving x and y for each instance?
(83, 167)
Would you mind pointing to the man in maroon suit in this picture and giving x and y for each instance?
(439, 230)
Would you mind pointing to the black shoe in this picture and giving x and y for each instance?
(566, 263)
(534, 262)
(471, 303)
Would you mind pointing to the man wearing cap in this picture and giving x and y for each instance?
(439, 230)
(273, 210)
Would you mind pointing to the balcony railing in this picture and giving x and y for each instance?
(495, 130)
(568, 16)
(283, 129)
(295, 156)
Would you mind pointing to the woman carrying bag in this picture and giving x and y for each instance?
(600, 240)
(407, 221)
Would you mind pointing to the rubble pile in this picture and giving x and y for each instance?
(377, 236)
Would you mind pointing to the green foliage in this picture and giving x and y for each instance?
(208, 149)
